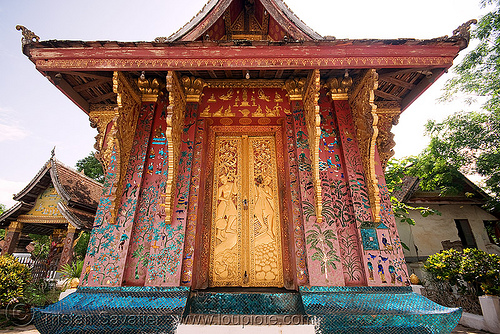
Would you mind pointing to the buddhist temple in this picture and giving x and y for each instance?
(244, 160)
(59, 202)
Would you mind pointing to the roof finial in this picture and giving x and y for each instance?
(463, 33)
(28, 35)
(53, 153)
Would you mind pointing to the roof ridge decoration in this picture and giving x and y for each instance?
(80, 174)
(215, 9)
(55, 180)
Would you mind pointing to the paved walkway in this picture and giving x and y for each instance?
(31, 330)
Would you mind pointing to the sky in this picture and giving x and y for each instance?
(35, 116)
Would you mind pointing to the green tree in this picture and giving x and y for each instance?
(395, 172)
(91, 167)
(470, 141)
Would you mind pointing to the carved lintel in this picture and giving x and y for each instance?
(175, 119)
(313, 123)
(28, 35)
(338, 88)
(193, 88)
(388, 112)
(295, 88)
(366, 122)
(150, 88)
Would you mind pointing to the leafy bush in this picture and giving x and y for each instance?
(73, 270)
(40, 293)
(14, 277)
(42, 246)
(466, 269)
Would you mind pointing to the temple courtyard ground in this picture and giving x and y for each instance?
(31, 330)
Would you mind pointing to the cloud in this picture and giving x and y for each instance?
(10, 130)
(8, 189)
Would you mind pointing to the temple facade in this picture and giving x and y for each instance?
(244, 151)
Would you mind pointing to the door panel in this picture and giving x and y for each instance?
(245, 222)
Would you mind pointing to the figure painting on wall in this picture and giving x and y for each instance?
(381, 271)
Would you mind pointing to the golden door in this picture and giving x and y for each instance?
(245, 245)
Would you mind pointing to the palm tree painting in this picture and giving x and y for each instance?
(324, 251)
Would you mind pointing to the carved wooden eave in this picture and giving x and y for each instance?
(175, 121)
(366, 122)
(313, 123)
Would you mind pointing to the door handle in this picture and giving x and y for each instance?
(245, 204)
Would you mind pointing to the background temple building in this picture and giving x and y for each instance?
(245, 151)
(462, 222)
(59, 202)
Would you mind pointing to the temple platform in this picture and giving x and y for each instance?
(313, 309)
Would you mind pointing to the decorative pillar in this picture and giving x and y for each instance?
(117, 128)
(308, 91)
(12, 235)
(366, 122)
(67, 253)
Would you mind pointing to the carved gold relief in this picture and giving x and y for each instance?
(388, 112)
(106, 132)
(339, 87)
(295, 88)
(128, 100)
(226, 248)
(175, 119)
(149, 88)
(116, 128)
(193, 88)
(265, 237)
(313, 123)
(245, 228)
(366, 121)
(15, 226)
(250, 83)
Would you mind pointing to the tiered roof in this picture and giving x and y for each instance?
(77, 202)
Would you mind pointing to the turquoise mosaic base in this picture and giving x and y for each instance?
(376, 310)
(251, 303)
(114, 310)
